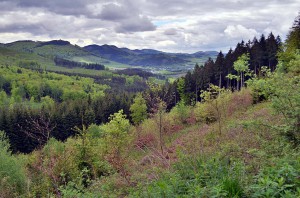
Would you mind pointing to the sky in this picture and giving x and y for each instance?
(167, 25)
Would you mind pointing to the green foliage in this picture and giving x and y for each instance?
(248, 159)
(280, 180)
(260, 86)
(289, 62)
(116, 132)
(182, 92)
(197, 177)
(293, 38)
(47, 102)
(30, 65)
(4, 100)
(216, 99)
(232, 187)
(76, 188)
(12, 173)
(138, 109)
(204, 113)
(284, 92)
(180, 113)
(59, 87)
(241, 65)
(286, 101)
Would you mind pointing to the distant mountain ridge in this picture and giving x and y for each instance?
(110, 55)
(145, 57)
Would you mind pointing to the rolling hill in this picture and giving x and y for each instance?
(108, 55)
(148, 57)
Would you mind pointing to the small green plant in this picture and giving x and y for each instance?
(281, 180)
(197, 177)
(232, 187)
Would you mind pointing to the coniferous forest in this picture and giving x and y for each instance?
(227, 128)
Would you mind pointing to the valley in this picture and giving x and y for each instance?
(112, 57)
(98, 120)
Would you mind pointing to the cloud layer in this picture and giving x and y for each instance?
(169, 25)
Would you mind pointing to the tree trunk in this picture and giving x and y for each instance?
(196, 92)
(241, 80)
(160, 133)
(220, 80)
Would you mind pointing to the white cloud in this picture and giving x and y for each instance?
(170, 25)
(240, 32)
(166, 43)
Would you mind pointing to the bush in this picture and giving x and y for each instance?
(204, 113)
(284, 92)
(146, 141)
(239, 101)
(12, 173)
(180, 113)
(280, 180)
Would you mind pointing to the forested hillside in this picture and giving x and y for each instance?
(148, 57)
(229, 128)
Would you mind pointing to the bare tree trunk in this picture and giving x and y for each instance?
(41, 128)
(219, 117)
(160, 133)
(241, 80)
(237, 83)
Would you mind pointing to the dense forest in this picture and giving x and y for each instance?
(223, 73)
(229, 128)
(71, 64)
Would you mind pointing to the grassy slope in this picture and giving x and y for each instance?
(248, 141)
(29, 51)
(34, 51)
(13, 53)
(249, 158)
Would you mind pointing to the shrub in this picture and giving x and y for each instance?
(239, 101)
(232, 187)
(146, 141)
(280, 180)
(203, 113)
(12, 173)
(284, 92)
(180, 113)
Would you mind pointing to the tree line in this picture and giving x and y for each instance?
(29, 128)
(71, 64)
(262, 52)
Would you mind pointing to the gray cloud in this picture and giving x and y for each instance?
(171, 25)
(114, 12)
(138, 24)
(127, 18)
(63, 7)
(171, 31)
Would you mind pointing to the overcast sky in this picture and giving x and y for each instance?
(167, 25)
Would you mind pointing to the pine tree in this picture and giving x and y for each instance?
(189, 88)
(272, 49)
(255, 55)
(293, 38)
(263, 56)
(220, 68)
